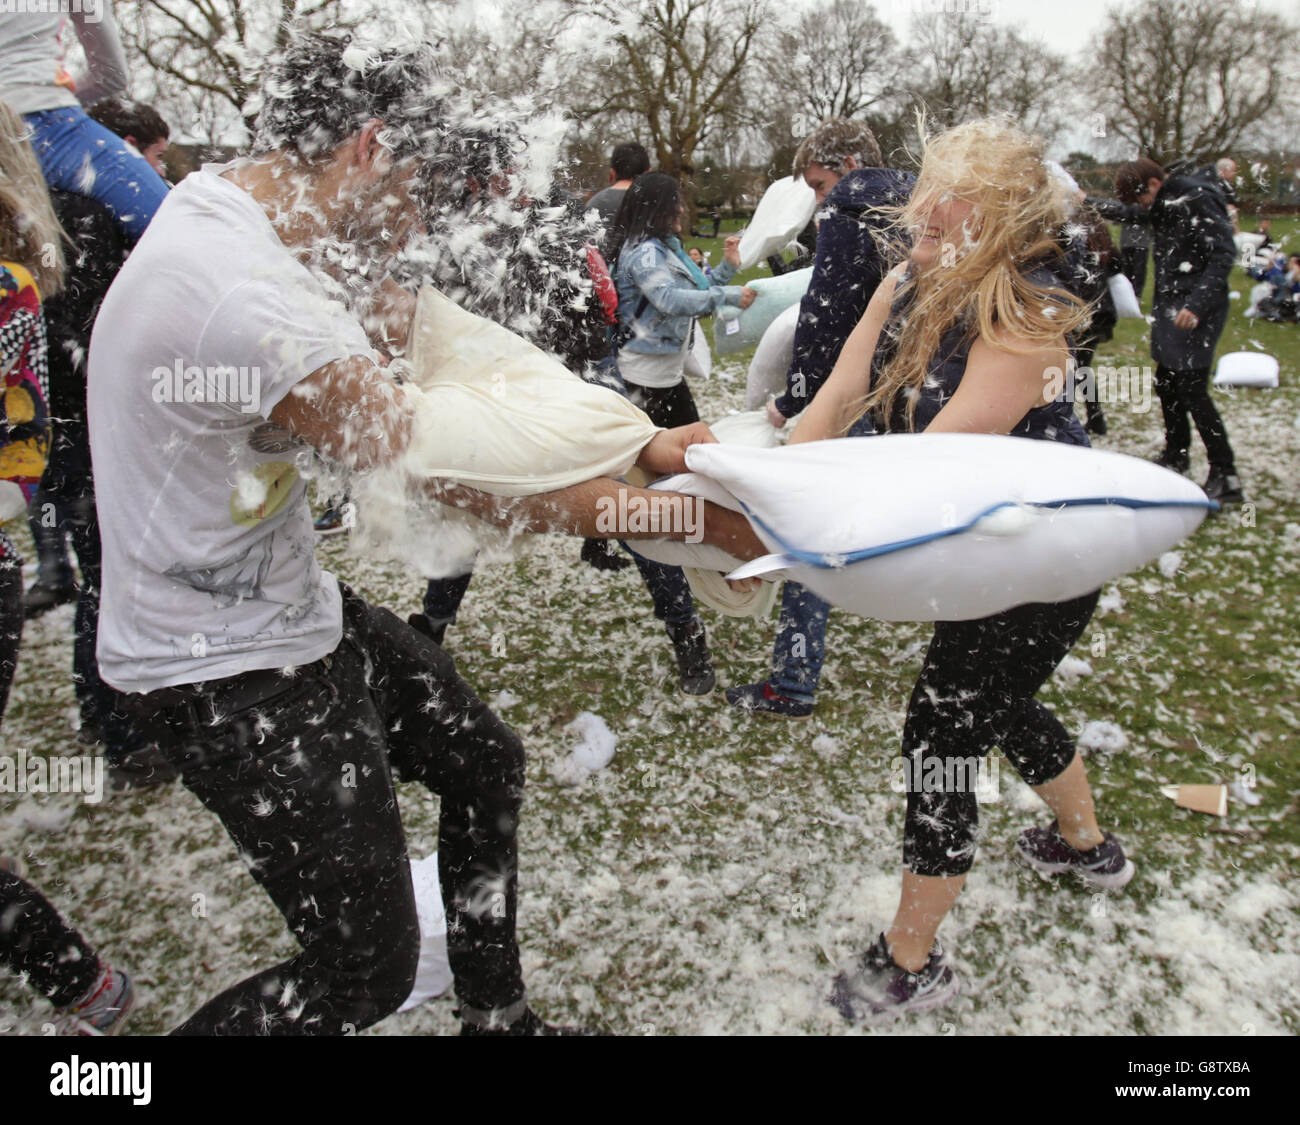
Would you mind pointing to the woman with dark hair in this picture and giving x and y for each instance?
(660, 293)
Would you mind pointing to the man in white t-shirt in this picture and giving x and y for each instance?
(219, 367)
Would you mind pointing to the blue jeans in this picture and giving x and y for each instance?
(800, 648)
(78, 154)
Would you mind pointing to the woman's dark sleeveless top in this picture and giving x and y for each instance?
(1053, 421)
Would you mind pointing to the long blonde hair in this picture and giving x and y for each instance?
(29, 233)
(1019, 211)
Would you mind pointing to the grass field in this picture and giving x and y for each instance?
(712, 875)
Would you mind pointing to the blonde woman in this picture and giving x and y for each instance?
(960, 337)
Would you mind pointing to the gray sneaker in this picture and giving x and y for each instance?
(1045, 850)
(875, 985)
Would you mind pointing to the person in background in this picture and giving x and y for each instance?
(1225, 171)
(93, 998)
(64, 505)
(1194, 254)
(66, 139)
(841, 162)
(660, 293)
(697, 256)
(137, 123)
(628, 161)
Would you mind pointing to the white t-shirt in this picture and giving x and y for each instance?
(209, 564)
(654, 371)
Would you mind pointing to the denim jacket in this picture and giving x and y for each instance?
(651, 271)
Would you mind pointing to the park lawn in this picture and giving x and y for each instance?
(709, 877)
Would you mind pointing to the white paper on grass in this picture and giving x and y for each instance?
(493, 413)
(775, 296)
(1246, 369)
(785, 209)
(967, 525)
(433, 972)
(1125, 299)
(772, 357)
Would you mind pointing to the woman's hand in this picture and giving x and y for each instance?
(665, 453)
(731, 250)
(747, 296)
(774, 416)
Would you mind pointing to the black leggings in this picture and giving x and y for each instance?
(976, 690)
(303, 784)
(666, 406)
(35, 941)
(1188, 392)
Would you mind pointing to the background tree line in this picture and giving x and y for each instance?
(722, 91)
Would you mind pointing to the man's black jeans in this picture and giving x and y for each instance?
(302, 780)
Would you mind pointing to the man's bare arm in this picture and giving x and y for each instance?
(350, 412)
(591, 509)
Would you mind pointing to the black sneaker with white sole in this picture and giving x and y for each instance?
(1225, 488)
(875, 986)
(1105, 866)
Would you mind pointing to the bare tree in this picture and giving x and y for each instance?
(202, 57)
(963, 66)
(839, 60)
(676, 67)
(1191, 78)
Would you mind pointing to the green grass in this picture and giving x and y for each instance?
(709, 877)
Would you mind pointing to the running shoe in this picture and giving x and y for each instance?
(1105, 866)
(40, 598)
(105, 1010)
(1225, 488)
(875, 985)
(762, 699)
(694, 664)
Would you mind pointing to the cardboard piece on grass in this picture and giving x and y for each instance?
(1211, 799)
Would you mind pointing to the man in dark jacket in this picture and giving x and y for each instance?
(841, 162)
(1194, 253)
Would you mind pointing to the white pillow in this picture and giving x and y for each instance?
(699, 360)
(784, 210)
(494, 413)
(925, 527)
(1246, 369)
(771, 360)
(433, 970)
(1125, 299)
(734, 330)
